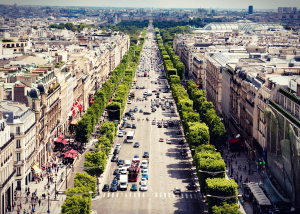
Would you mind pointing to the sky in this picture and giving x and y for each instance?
(257, 4)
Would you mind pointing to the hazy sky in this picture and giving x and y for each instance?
(259, 4)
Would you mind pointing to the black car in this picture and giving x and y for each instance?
(183, 152)
(114, 188)
(105, 188)
(116, 171)
(121, 162)
(146, 155)
(136, 145)
(118, 176)
(153, 109)
(128, 125)
(146, 112)
(114, 158)
(165, 125)
(157, 96)
(159, 125)
(163, 107)
(179, 132)
(192, 186)
(116, 151)
(133, 126)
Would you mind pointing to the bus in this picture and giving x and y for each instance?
(130, 137)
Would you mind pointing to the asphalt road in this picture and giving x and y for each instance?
(167, 168)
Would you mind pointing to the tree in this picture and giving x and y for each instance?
(76, 204)
(85, 180)
(93, 159)
(226, 209)
(198, 134)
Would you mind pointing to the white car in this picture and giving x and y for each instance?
(168, 141)
(129, 102)
(121, 134)
(144, 164)
(118, 146)
(120, 167)
(144, 188)
(145, 171)
(123, 170)
(143, 181)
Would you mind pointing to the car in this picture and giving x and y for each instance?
(133, 187)
(116, 171)
(143, 181)
(133, 126)
(135, 110)
(118, 146)
(168, 141)
(116, 151)
(192, 186)
(165, 125)
(161, 139)
(154, 91)
(105, 188)
(129, 102)
(115, 181)
(114, 158)
(144, 188)
(137, 87)
(123, 170)
(143, 87)
(146, 155)
(163, 107)
(153, 122)
(153, 109)
(120, 167)
(120, 162)
(121, 134)
(130, 110)
(177, 191)
(114, 188)
(155, 83)
(145, 112)
(181, 142)
(141, 110)
(179, 132)
(128, 125)
(132, 118)
(157, 96)
(118, 176)
(145, 175)
(136, 145)
(159, 125)
(145, 170)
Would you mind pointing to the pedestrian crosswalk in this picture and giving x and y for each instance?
(189, 195)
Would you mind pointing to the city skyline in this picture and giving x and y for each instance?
(163, 4)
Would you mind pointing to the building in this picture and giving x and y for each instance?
(21, 121)
(7, 170)
(250, 10)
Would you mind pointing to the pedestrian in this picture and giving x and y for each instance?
(39, 202)
(45, 188)
(24, 211)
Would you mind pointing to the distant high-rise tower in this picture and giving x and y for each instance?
(294, 9)
(280, 10)
(250, 10)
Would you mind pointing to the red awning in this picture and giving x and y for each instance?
(61, 135)
(64, 142)
(235, 140)
(197, 85)
(69, 155)
(110, 101)
(58, 140)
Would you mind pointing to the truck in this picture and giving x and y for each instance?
(134, 171)
(123, 182)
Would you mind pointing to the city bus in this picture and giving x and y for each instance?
(130, 137)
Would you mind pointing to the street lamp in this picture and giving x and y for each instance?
(224, 198)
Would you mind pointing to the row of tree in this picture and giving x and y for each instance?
(71, 26)
(191, 106)
(86, 125)
(79, 197)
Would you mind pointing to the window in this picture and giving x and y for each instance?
(18, 144)
(33, 105)
(18, 130)
(18, 170)
(18, 156)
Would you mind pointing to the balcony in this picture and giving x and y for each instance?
(8, 179)
(19, 162)
(251, 104)
(41, 117)
(7, 143)
(30, 156)
(30, 128)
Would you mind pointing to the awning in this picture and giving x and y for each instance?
(58, 140)
(260, 196)
(71, 154)
(235, 140)
(64, 142)
(61, 135)
(74, 122)
(36, 168)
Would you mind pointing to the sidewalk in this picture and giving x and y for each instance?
(255, 177)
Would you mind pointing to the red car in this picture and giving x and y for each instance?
(154, 91)
(161, 140)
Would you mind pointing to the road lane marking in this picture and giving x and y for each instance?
(143, 194)
(160, 194)
(112, 195)
(139, 194)
(156, 194)
(117, 194)
(122, 194)
(133, 194)
(129, 194)
(191, 196)
(125, 194)
(103, 195)
(108, 195)
(169, 195)
(165, 194)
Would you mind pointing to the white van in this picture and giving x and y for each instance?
(127, 164)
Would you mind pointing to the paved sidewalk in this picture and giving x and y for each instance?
(253, 177)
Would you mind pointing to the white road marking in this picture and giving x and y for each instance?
(133, 194)
(129, 194)
(125, 194)
(191, 196)
(103, 195)
(143, 194)
(160, 194)
(139, 194)
(108, 195)
(156, 194)
(117, 194)
(112, 195)
(165, 194)
(169, 195)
